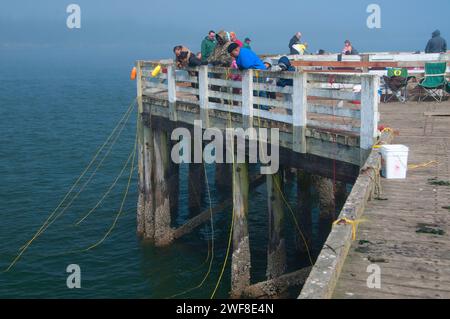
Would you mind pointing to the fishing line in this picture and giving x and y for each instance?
(71, 189)
(48, 224)
(276, 182)
(212, 244)
(230, 236)
(105, 156)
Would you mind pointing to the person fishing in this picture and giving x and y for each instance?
(208, 45)
(220, 55)
(349, 49)
(185, 58)
(294, 41)
(245, 58)
(436, 44)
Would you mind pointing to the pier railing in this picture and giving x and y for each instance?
(344, 103)
(374, 63)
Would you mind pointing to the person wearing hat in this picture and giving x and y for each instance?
(245, 58)
(247, 42)
(220, 56)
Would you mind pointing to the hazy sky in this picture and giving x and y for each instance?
(136, 29)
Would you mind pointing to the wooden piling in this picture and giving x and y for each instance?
(174, 184)
(223, 177)
(304, 217)
(149, 208)
(276, 249)
(145, 208)
(325, 189)
(196, 186)
(240, 263)
(163, 231)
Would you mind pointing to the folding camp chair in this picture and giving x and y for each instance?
(397, 82)
(434, 83)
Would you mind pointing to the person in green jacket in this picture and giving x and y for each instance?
(208, 45)
(247, 42)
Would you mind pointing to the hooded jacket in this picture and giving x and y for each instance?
(293, 42)
(247, 59)
(220, 56)
(437, 44)
(208, 46)
(285, 65)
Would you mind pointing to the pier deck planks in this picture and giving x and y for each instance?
(416, 265)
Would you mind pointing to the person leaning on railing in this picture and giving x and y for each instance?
(185, 58)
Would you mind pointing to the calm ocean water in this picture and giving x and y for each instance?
(52, 120)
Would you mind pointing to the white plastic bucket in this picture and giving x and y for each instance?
(394, 161)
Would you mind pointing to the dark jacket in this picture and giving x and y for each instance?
(437, 44)
(187, 59)
(293, 42)
(285, 64)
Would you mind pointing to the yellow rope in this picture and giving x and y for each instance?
(353, 223)
(280, 191)
(106, 193)
(423, 165)
(230, 235)
(212, 245)
(18, 256)
(98, 166)
(121, 205)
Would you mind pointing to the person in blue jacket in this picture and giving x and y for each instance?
(245, 58)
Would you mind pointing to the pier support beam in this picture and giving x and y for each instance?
(174, 185)
(163, 231)
(196, 186)
(325, 189)
(276, 250)
(240, 263)
(223, 177)
(304, 216)
(149, 208)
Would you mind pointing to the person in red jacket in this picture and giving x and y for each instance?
(235, 39)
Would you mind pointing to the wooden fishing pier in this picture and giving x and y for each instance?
(328, 125)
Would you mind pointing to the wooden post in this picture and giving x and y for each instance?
(196, 186)
(240, 263)
(365, 58)
(223, 177)
(174, 183)
(276, 250)
(304, 210)
(203, 93)
(163, 231)
(369, 110)
(145, 214)
(299, 112)
(172, 92)
(149, 208)
(247, 99)
(141, 168)
(325, 189)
